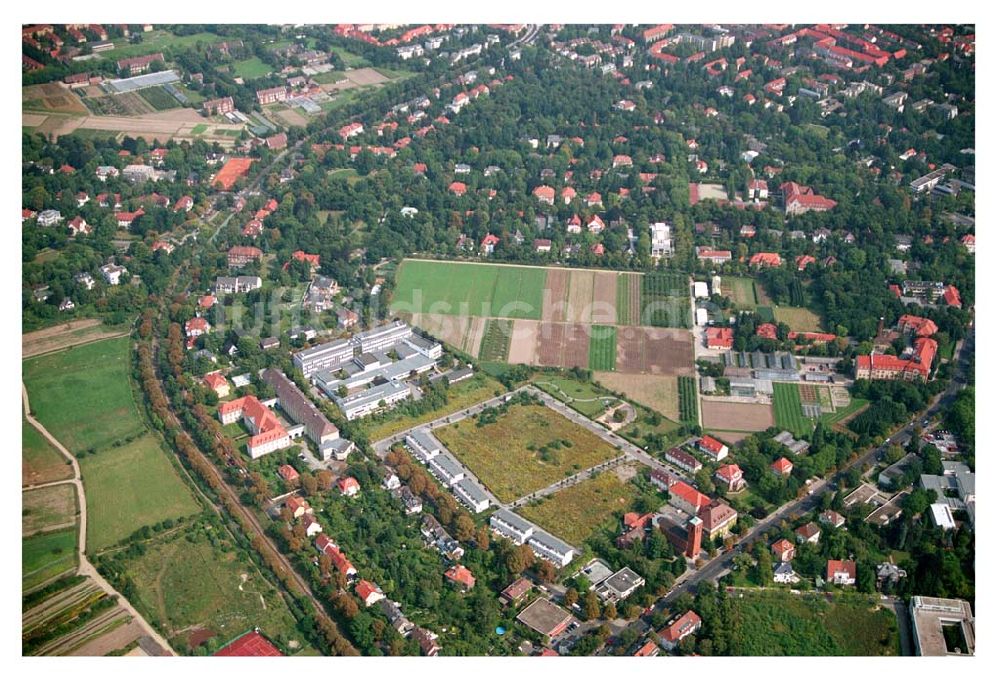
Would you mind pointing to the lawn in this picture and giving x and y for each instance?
(40, 461)
(329, 77)
(787, 406)
(603, 347)
(583, 396)
(741, 291)
(350, 59)
(156, 41)
(129, 487)
(496, 340)
(797, 319)
(469, 289)
(524, 449)
(46, 556)
(833, 418)
(250, 69)
(47, 508)
(197, 578)
(782, 624)
(82, 395)
(460, 396)
(591, 503)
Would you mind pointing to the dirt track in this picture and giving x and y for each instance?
(63, 336)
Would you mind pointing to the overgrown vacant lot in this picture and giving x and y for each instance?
(797, 319)
(129, 487)
(572, 514)
(195, 578)
(781, 624)
(499, 454)
(82, 395)
(40, 461)
(469, 289)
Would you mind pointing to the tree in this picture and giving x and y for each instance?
(591, 606)
(465, 528)
(309, 484)
(610, 612)
(571, 597)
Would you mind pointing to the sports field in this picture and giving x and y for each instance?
(46, 556)
(741, 291)
(603, 347)
(527, 448)
(82, 394)
(591, 503)
(40, 461)
(129, 487)
(194, 582)
(797, 319)
(469, 289)
(250, 69)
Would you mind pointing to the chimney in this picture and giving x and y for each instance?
(694, 538)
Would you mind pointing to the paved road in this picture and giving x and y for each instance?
(86, 568)
(720, 565)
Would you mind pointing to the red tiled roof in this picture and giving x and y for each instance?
(802, 261)
(952, 297)
(767, 330)
(729, 472)
(288, 473)
(715, 514)
(782, 465)
(457, 187)
(681, 627)
(365, 589)
(835, 566)
(719, 337)
(460, 574)
(817, 337)
(215, 380)
(766, 259)
(689, 494)
(782, 546)
(921, 326)
(345, 484)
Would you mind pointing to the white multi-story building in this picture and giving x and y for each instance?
(662, 238)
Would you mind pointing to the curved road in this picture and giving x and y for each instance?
(86, 568)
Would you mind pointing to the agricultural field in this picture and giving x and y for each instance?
(665, 300)
(782, 624)
(48, 508)
(797, 319)
(131, 486)
(527, 448)
(687, 389)
(629, 298)
(250, 69)
(659, 351)
(561, 345)
(741, 290)
(591, 503)
(46, 556)
(658, 393)
(469, 289)
(40, 461)
(460, 396)
(159, 98)
(735, 416)
(75, 617)
(128, 103)
(195, 584)
(787, 404)
(496, 340)
(83, 395)
(603, 347)
(65, 335)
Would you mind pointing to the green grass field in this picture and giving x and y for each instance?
(158, 40)
(250, 69)
(842, 413)
(82, 395)
(196, 578)
(46, 556)
(129, 487)
(591, 503)
(460, 396)
(47, 508)
(766, 313)
(583, 396)
(469, 289)
(781, 624)
(603, 347)
(797, 319)
(787, 406)
(496, 340)
(40, 461)
(329, 77)
(350, 59)
(741, 291)
(498, 453)
(200, 128)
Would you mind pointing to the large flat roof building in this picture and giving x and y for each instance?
(931, 615)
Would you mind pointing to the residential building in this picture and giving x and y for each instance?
(267, 432)
(239, 256)
(682, 459)
(808, 533)
(662, 242)
(619, 585)
(545, 618)
(730, 477)
(461, 576)
(841, 572)
(237, 285)
(783, 550)
(113, 273)
(368, 592)
(683, 626)
(713, 448)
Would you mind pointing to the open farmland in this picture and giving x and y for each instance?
(665, 300)
(469, 289)
(591, 503)
(131, 486)
(65, 335)
(47, 555)
(687, 389)
(787, 404)
(48, 508)
(797, 319)
(496, 340)
(659, 393)
(194, 582)
(40, 461)
(603, 348)
(563, 345)
(647, 350)
(781, 624)
(629, 298)
(83, 396)
(735, 416)
(508, 455)
(159, 98)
